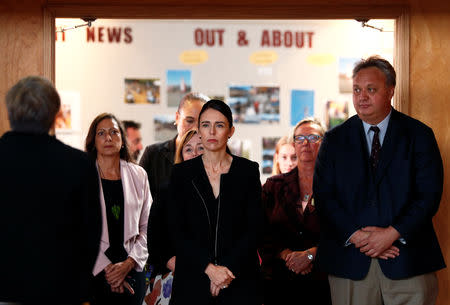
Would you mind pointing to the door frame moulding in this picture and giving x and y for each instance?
(400, 13)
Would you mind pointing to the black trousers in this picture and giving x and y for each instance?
(102, 294)
(296, 292)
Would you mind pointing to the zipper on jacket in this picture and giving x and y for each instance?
(209, 220)
(217, 228)
(207, 213)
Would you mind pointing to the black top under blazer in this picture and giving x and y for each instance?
(238, 231)
(404, 192)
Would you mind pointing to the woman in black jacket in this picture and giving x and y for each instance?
(217, 202)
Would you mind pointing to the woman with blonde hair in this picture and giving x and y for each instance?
(293, 229)
(284, 159)
(159, 230)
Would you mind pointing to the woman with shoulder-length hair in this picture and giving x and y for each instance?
(125, 201)
(218, 218)
(284, 159)
(160, 240)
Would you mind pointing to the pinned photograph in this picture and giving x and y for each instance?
(346, 65)
(240, 147)
(336, 113)
(165, 128)
(142, 91)
(302, 105)
(178, 84)
(268, 150)
(252, 104)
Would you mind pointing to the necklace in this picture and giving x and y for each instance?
(103, 176)
(306, 197)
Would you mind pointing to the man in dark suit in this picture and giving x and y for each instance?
(378, 183)
(158, 158)
(50, 219)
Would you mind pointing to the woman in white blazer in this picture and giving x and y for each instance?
(125, 201)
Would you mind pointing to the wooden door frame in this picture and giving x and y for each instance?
(400, 13)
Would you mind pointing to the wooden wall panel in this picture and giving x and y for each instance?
(21, 46)
(429, 102)
(24, 52)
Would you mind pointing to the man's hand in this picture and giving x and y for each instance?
(378, 241)
(359, 238)
(392, 252)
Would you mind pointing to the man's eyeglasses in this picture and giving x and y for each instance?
(311, 138)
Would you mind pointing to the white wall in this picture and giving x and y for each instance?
(97, 70)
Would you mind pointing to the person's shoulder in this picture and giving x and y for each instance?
(135, 168)
(70, 152)
(282, 178)
(345, 126)
(245, 165)
(157, 147)
(189, 166)
(410, 123)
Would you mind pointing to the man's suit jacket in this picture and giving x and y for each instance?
(157, 160)
(50, 220)
(137, 202)
(404, 192)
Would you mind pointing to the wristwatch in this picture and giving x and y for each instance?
(309, 255)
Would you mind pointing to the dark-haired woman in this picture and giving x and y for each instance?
(217, 199)
(125, 201)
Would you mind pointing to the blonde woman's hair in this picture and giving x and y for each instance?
(282, 141)
(313, 121)
(184, 139)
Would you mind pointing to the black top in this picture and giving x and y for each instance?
(114, 204)
(50, 220)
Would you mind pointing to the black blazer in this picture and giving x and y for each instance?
(405, 193)
(50, 220)
(238, 232)
(157, 160)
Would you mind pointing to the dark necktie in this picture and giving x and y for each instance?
(376, 147)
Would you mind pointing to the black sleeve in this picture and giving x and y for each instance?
(91, 222)
(160, 243)
(146, 163)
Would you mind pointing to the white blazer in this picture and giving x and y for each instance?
(137, 202)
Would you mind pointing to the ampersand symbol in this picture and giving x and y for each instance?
(241, 39)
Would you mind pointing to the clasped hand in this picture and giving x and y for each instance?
(377, 242)
(220, 277)
(297, 261)
(115, 275)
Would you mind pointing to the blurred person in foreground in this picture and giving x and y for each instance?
(50, 223)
